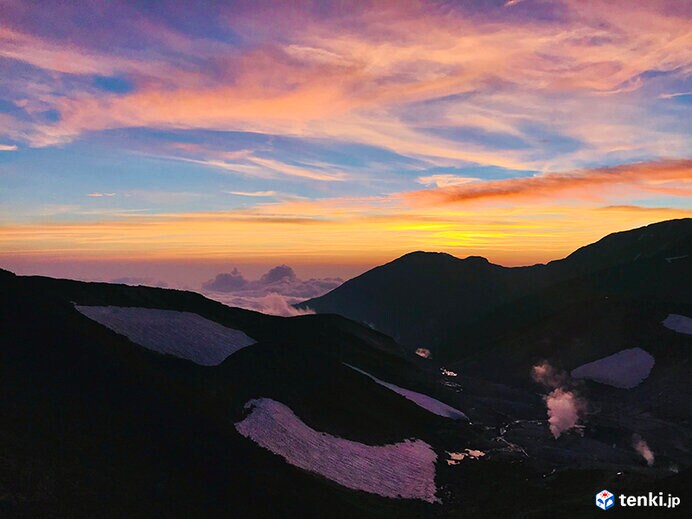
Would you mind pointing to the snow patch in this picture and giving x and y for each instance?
(401, 470)
(625, 369)
(426, 402)
(678, 323)
(182, 334)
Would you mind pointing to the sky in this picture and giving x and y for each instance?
(170, 142)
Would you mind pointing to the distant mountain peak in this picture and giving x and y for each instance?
(477, 259)
(440, 256)
(426, 254)
(430, 299)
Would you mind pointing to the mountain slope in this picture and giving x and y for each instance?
(416, 297)
(431, 299)
(96, 425)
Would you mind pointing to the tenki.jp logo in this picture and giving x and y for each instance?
(605, 499)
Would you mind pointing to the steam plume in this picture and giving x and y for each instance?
(643, 449)
(548, 376)
(564, 406)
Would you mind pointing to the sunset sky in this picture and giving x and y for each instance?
(173, 142)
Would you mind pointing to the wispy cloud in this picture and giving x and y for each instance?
(8, 147)
(326, 77)
(297, 171)
(259, 194)
(673, 95)
(267, 168)
(445, 180)
(99, 195)
(588, 183)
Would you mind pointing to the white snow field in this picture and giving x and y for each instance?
(400, 470)
(182, 334)
(625, 369)
(678, 323)
(426, 402)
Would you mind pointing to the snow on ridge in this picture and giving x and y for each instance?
(401, 470)
(678, 323)
(426, 402)
(625, 369)
(182, 334)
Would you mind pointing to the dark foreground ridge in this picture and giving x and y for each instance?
(95, 425)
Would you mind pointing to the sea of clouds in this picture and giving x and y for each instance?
(273, 293)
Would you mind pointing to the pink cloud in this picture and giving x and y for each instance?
(349, 74)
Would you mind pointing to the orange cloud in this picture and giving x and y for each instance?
(582, 184)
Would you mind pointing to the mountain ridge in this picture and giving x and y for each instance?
(462, 290)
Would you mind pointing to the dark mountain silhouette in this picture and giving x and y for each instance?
(96, 425)
(435, 300)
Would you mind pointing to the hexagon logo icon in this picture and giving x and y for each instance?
(605, 499)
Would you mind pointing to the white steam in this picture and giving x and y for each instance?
(563, 405)
(639, 444)
(277, 304)
(272, 303)
(548, 376)
(564, 408)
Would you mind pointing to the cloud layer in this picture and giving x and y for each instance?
(273, 293)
